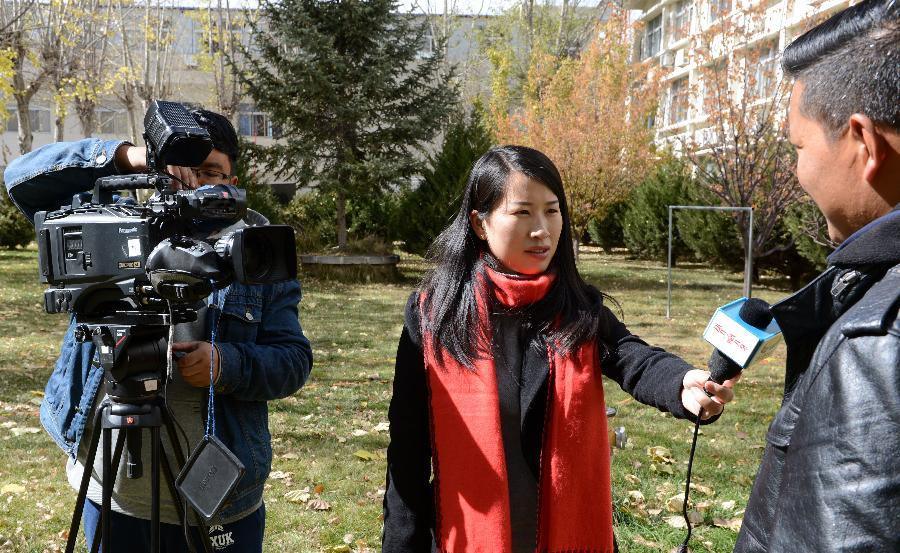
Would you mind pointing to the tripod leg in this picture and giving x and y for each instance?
(107, 467)
(202, 530)
(107, 488)
(85, 482)
(154, 489)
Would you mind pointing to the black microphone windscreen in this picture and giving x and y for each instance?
(721, 368)
(756, 312)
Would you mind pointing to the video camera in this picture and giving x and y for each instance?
(128, 270)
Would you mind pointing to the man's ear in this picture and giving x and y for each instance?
(234, 180)
(870, 145)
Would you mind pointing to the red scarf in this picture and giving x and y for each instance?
(471, 486)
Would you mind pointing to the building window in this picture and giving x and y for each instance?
(652, 40)
(680, 20)
(256, 123)
(112, 122)
(40, 120)
(719, 8)
(764, 71)
(678, 101)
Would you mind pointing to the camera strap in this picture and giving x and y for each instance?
(212, 471)
(218, 302)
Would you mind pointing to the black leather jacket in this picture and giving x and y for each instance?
(830, 474)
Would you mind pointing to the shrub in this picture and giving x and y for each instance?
(425, 211)
(806, 225)
(607, 232)
(15, 229)
(312, 216)
(712, 236)
(645, 221)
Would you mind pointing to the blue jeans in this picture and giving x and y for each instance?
(132, 535)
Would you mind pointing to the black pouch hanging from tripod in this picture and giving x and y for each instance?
(212, 471)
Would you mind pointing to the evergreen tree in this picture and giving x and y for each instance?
(352, 97)
(425, 211)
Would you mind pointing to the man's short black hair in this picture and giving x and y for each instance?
(850, 64)
(222, 132)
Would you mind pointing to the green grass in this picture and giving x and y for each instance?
(329, 440)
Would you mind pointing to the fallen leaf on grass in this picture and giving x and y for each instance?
(343, 548)
(632, 479)
(298, 496)
(318, 504)
(290, 456)
(703, 506)
(364, 455)
(640, 540)
(279, 475)
(660, 454)
(741, 479)
(675, 503)
(733, 524)
(665, 469)
(705, 490)
(19, 430)
(695, 517)
(12, 489)
(382, 427)
(359, 432)
(635, 497)
(319, 489)
(676, 522)
(728, 505)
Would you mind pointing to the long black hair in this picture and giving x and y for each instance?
(566, 316)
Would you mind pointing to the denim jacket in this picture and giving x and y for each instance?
(263, 352)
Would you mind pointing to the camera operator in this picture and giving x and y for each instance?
(260, 354)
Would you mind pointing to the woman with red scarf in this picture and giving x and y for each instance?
(497, 389)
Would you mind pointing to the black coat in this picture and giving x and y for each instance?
(830, 474)
(650, 374)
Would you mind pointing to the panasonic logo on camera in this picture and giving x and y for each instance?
(127, 230)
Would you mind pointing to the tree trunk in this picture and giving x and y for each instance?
(575, 244)
(23, 118)
(562, 26)
(59, 124)
(87, 115)
(341, 220)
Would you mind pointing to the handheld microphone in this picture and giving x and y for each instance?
(741, 332)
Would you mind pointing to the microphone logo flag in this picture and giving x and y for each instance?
(736, 338)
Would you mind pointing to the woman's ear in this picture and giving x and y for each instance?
(477, 224)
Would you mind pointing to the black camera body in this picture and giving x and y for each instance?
(95, 252)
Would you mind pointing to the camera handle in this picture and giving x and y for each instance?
(105, 186)
(126, 417)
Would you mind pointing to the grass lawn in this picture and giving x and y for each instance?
(330, 438)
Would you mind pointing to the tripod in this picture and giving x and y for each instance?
(131, 420)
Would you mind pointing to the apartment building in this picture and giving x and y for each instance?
(669, 35)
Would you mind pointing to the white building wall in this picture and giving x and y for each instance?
(663, 41)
